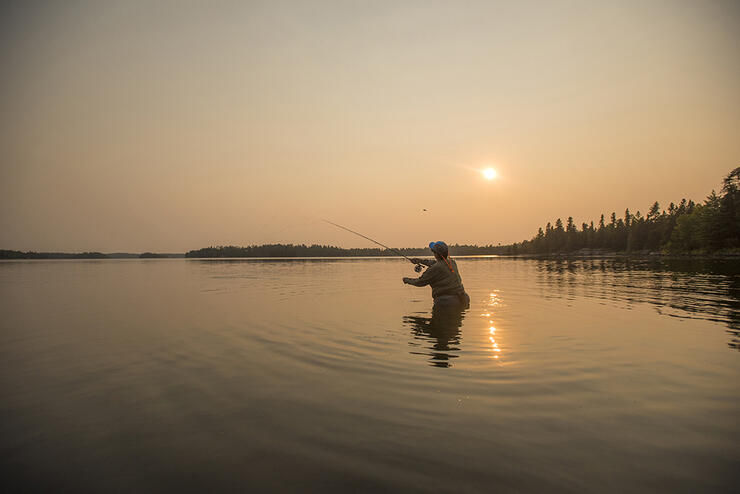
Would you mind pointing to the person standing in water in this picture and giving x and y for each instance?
(444, 278)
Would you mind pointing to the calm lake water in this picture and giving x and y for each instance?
(332, 376)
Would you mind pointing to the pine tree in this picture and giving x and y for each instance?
(654, 212)
(713, 229)
(730, 208)
(570, 225)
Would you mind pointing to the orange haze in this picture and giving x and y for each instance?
(168, 126)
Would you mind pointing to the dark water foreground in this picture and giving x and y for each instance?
(332, 376)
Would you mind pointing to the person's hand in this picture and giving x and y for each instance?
(406, 280)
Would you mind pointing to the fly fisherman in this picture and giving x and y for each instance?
(444, 278)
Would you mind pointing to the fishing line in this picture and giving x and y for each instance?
(418, 267)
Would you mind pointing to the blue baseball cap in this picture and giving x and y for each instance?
(439, 247)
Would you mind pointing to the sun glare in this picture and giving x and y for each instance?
(489, 173)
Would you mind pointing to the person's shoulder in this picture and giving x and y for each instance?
(434, 267)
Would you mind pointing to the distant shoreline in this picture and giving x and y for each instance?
(18, 255)
(30, 255)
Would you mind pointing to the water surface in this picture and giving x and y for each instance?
(331, 375)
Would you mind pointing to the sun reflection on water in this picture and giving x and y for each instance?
(494, 301)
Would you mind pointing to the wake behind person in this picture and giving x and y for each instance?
(444, 278)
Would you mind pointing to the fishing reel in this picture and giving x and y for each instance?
(418, 268)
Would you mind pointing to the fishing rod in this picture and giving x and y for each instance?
(418, 266)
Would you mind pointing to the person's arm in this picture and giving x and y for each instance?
(425, 262)
(426, 278)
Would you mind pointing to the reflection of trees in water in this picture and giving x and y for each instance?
(691, 288)
(734, 321)
(439, 335)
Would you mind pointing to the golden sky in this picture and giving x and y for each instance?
(169, 126)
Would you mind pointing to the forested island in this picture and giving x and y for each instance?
(302, 250)
(17, 254)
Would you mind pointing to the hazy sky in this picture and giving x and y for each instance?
(169, 126)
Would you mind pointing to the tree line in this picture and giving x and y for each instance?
(17, 254)
(710, 227)
(293, 250)
(316, 250)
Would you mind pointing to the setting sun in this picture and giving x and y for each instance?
(489, 173)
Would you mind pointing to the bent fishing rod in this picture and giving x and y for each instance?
(418, 266)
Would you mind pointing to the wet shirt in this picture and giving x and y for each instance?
(442, 281)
